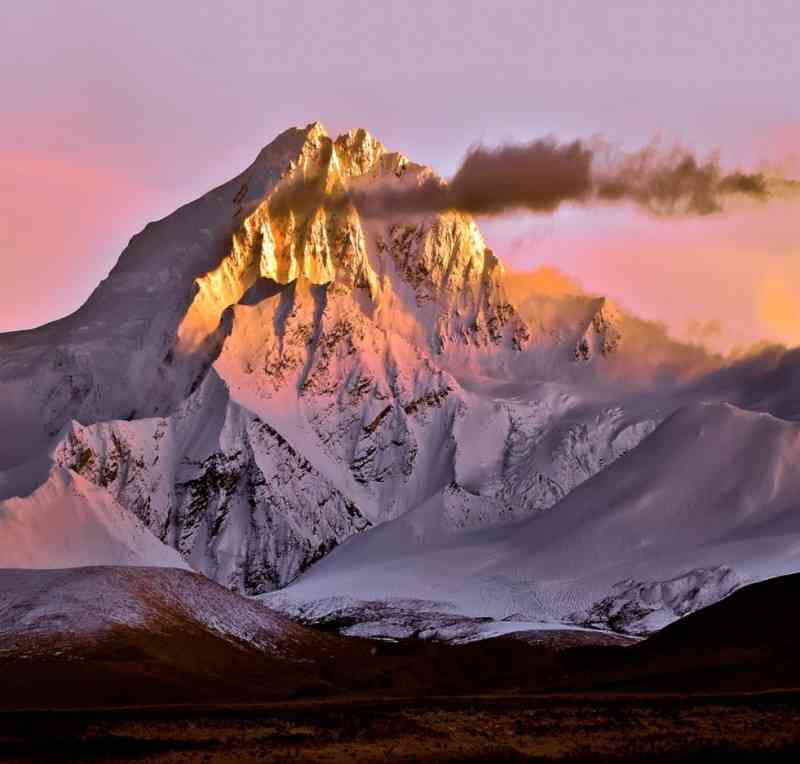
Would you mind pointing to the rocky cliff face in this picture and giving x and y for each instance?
(219, 485)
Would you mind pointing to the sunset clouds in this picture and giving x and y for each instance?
(726, 280)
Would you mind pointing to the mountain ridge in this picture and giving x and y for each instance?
(264, 378)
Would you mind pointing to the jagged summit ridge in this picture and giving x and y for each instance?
(441, 258)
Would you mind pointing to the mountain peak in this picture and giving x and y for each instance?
(353, 153)
(291, 145)
(315, 129)
(358, 151)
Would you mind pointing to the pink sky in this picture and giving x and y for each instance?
(116, 113)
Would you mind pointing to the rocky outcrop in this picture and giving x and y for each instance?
(642, 607)
(603, 335)
(219, 485)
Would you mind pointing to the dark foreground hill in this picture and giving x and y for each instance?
(134, 664)
(123, 636)
(747, 642)
(109, 636)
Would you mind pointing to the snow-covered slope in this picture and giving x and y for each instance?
(69, 521)
(66, 608)
(705, 503)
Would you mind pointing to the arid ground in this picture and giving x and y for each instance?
(478, 729)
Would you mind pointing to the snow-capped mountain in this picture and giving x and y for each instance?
(265, 378)
(324, 325)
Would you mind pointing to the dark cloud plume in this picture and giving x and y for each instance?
(542, 175)
(669, 182)
(538, 177)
